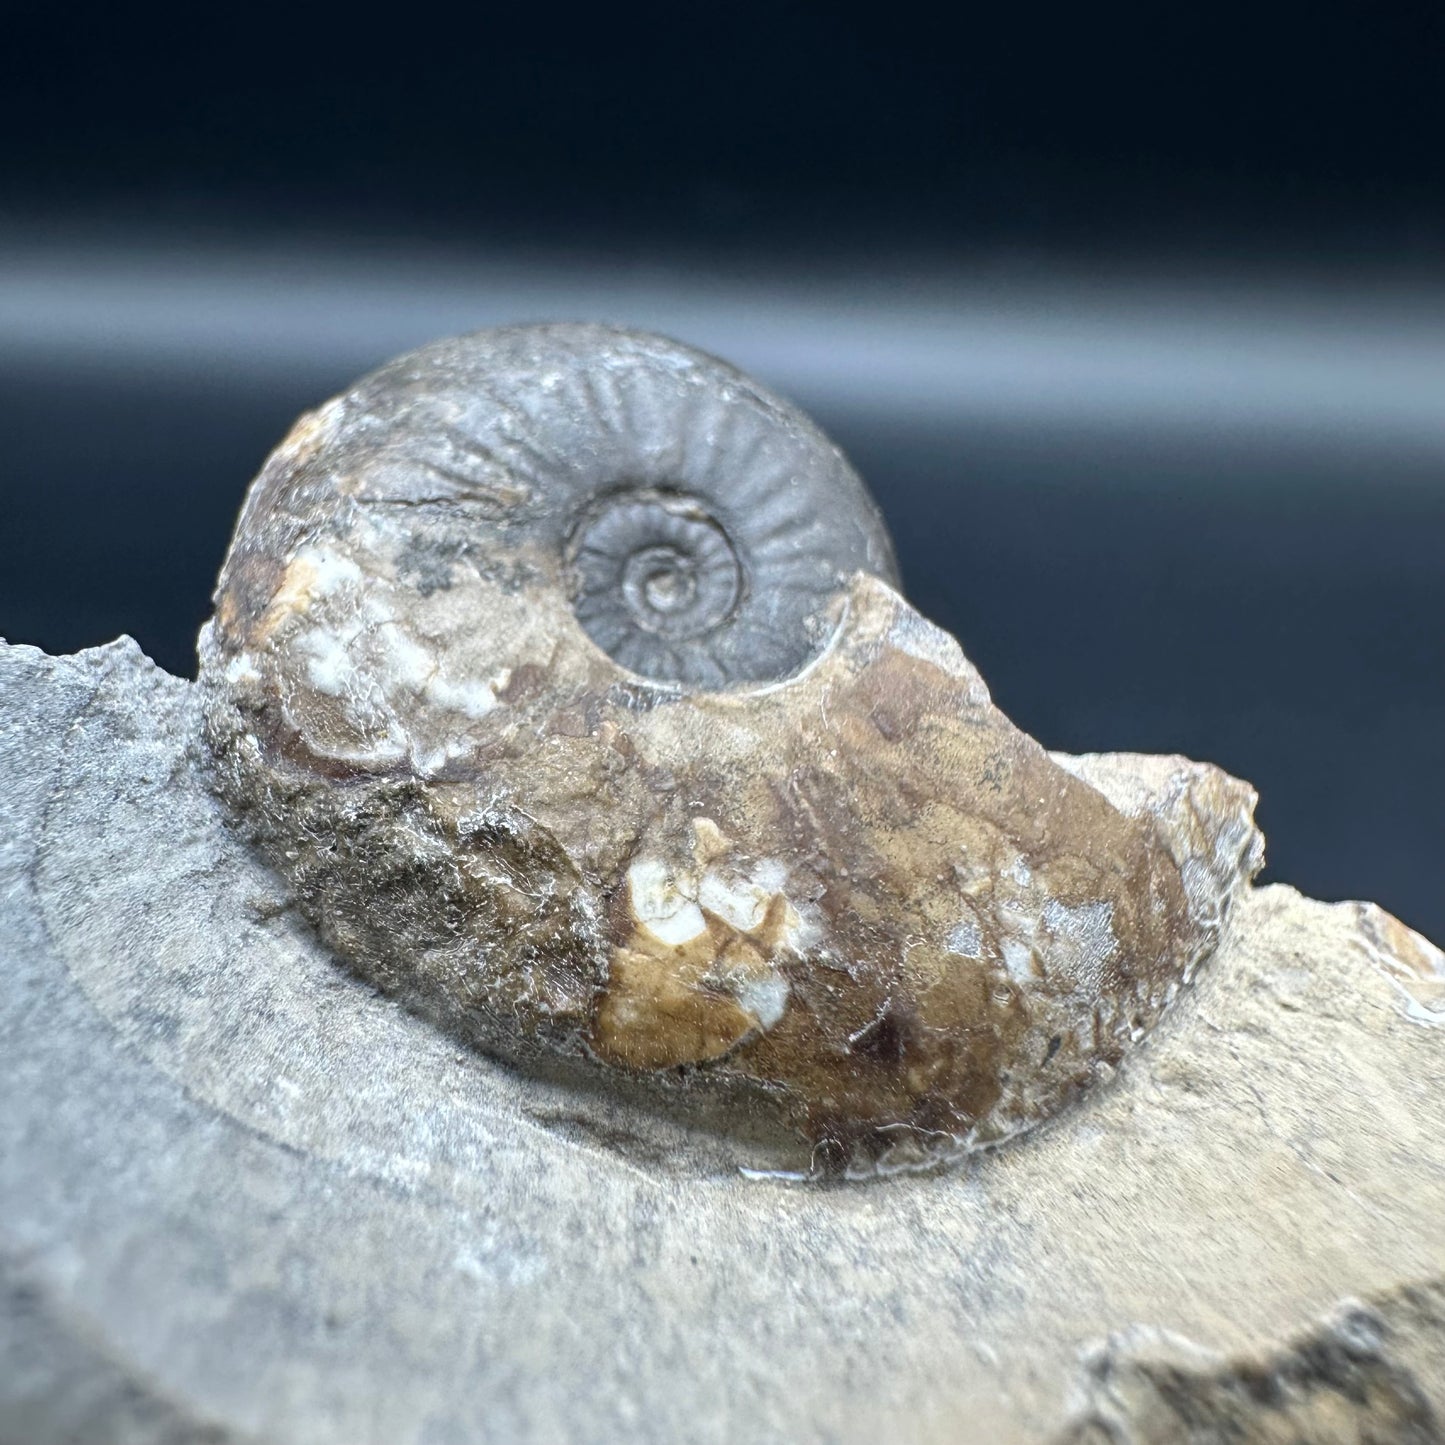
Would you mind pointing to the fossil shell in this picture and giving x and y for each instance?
(560, 670)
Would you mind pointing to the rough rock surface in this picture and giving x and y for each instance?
(243, 1197)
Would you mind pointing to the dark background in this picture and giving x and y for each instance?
(1135, 323)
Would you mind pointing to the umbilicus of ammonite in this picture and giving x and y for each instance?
(564, 672)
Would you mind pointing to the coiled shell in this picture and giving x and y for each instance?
(560, 670)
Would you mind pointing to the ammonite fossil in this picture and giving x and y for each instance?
(563, 672)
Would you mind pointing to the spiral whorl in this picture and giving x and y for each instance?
(653, 576)
(699, 525)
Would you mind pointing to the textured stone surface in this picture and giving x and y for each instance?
(1366, 1372)
(244, 1197)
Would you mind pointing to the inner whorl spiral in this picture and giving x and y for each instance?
(651, 573)
(699, 525)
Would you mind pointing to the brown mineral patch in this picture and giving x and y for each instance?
(658, 1013)
(292, 595)
(888, 1036)
(252, 580)
(709, 842)
(308, 435)
(1412, 963)
(528, 680)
